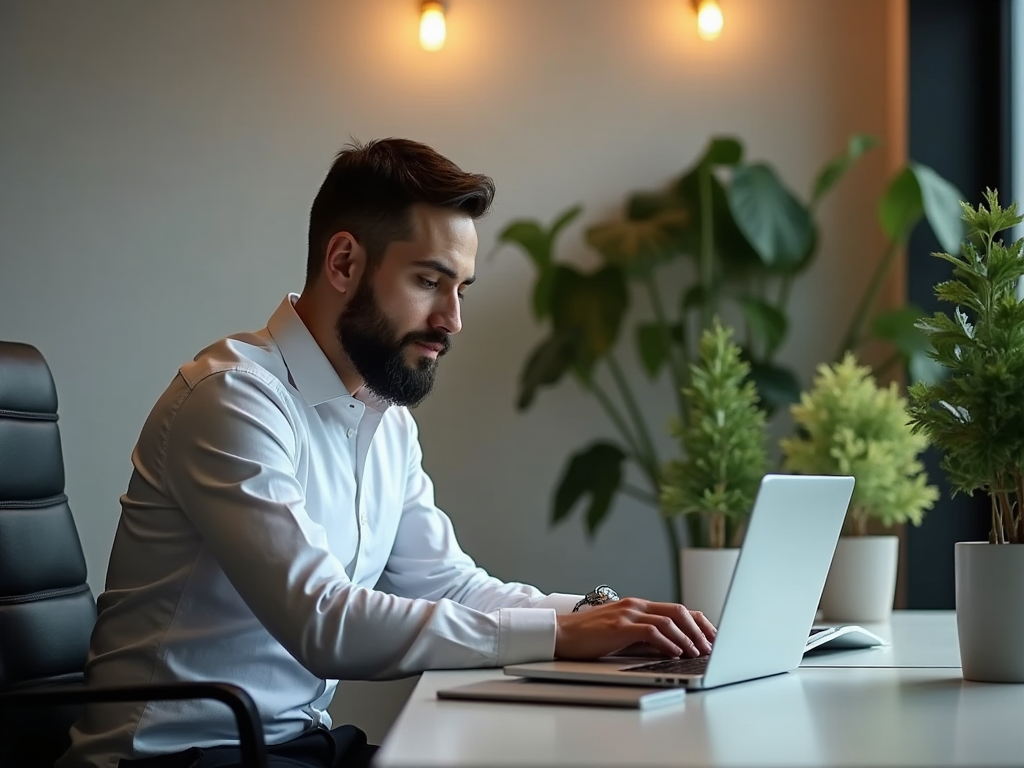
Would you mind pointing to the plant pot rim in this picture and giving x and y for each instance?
(984, 544)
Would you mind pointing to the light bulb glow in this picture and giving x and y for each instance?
(432, 26)
(709, 19)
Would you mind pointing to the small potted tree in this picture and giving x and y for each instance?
(847, 425)
(723, 440)
(975, 418)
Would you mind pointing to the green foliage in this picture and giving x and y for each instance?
(723, 440)
(847, 425)
(974, 416)
(738, 238)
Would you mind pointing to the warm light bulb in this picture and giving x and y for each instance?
(709, 19)
(432, 26)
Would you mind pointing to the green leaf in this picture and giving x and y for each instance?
(768, 323)
(777, 386)
(773, 221)
(545, 366)
(589, 307)
(539, 245)
(563, 221)
(647, 205)
(722, 150)
(596, 472)
(734, 255)
(901, 206)
(637, 246)
(835, 169)
(941, 202)
(653, 349)
(531, 238)
(899, 328)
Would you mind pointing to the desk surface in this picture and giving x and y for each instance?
(853, 712)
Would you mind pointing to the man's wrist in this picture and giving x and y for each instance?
(598, 596)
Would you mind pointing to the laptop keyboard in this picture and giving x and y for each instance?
(690, 666)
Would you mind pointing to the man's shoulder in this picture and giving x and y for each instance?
(254, 353)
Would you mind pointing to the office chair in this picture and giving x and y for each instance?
(46, 608)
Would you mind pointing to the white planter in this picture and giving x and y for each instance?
(990, 610)
(861, 583)
(706, 574)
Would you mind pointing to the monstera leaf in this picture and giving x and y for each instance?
(589, 309)
(539, 244)
(594, 472)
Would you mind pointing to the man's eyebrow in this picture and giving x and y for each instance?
(444, 269)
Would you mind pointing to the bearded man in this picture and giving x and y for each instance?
(279, 532)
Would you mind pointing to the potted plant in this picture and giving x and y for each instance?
(725, 448)
(847, 425)
(974, 418)
(735, 239)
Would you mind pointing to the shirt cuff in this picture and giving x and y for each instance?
(561, 602)
(526, 634)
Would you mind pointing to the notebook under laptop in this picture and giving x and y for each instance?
(771, 602)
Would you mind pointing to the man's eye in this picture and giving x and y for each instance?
(428, 283)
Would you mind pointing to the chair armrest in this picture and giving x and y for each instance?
(250, 731)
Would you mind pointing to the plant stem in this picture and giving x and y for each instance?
(852, 337)
(678, 371)
(639, 494)
(649, 463)
(620, 423)
(673, 544)
(638, 420)
(707, 243)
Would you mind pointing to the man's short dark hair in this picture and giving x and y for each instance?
(371, 188)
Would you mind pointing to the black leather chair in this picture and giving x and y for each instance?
(46, 608)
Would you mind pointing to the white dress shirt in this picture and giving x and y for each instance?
(280, 534)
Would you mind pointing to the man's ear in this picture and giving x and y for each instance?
(344, 262)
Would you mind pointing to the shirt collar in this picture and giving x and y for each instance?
(311, 372)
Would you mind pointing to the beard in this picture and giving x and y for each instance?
(373, 344)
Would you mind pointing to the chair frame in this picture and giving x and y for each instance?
(251, 741)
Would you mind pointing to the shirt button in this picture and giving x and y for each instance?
(351, 432)
(364, 520)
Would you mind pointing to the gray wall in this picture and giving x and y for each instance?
(158, 158)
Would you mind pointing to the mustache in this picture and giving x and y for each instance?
(429, 337)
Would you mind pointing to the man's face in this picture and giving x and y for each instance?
(401, 318)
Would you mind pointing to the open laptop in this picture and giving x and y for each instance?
(772, 599)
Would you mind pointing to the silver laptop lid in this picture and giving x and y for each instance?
(779, 576)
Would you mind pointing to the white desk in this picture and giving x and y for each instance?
(852, 715)
(917, 639)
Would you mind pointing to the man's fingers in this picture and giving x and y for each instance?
(710, 630)
(686, 621)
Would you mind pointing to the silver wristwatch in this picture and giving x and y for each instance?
(599, 596)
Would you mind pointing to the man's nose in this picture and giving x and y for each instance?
(448, 318)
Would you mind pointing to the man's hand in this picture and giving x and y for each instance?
(666, 628)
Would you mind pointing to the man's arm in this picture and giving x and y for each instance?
(427, 561)
(230, 464)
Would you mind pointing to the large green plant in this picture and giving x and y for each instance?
(723, 441)
(735, 238)
(848, 425)
(974, 416)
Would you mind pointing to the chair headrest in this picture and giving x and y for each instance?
(26, 384)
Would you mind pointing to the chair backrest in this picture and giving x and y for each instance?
(46, 608)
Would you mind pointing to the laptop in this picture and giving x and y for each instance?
(772, 600)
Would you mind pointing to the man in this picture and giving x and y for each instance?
(279, 532)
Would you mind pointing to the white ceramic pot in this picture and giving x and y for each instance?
(990, 610)
(861, 583)
(706, 574)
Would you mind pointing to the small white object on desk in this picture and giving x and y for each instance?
(588, 694)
